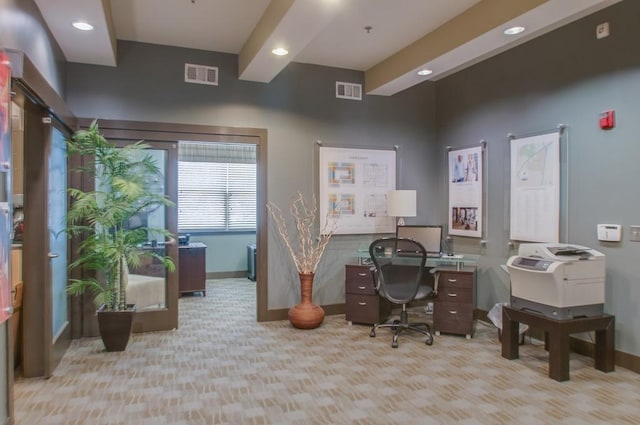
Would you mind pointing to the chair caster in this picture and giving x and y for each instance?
(394, 343)
(429, 340)
(372, 334)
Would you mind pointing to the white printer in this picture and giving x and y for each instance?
(560, 281)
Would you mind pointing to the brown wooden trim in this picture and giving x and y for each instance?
(174, 132)
(35, 297)
(333, 309)
(9, 369)
(227, 275)
(283, 313)
(275, 314)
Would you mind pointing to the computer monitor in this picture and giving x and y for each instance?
(429, 236)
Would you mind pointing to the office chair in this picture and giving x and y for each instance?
(399, 266)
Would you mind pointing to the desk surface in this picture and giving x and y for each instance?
(456, 260)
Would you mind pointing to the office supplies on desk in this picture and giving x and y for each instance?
(557, 280)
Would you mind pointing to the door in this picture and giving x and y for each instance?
(59, 335)
(47, 330)
(151, 287)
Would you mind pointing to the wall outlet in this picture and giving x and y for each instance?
(602, 30)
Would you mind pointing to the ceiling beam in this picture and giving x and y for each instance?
(290, 24)
(475, 21)
(98, 46)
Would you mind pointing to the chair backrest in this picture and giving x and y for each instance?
(399, 264)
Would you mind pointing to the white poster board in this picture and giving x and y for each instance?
(353, 187)
(535, 188)
(465, 192)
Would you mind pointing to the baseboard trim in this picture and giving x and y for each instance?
(226, 275)
(283, 313)
(586, 348)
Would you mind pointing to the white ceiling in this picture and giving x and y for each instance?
(405, 35)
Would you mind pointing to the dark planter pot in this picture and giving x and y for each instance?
(115, 327)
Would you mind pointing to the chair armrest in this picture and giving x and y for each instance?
(374, 278)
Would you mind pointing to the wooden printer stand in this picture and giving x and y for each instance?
(557, 334)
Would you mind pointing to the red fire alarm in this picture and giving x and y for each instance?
(607, 119)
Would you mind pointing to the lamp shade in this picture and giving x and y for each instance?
(401, 203)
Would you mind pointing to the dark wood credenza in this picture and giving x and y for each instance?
(192, 274)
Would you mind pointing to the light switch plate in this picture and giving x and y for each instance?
(634, 230)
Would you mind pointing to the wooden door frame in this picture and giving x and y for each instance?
(41, 354)
(170, 132)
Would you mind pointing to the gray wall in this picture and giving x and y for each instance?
(297, 108)
(564, 77)
(226, 252)
(22, 28)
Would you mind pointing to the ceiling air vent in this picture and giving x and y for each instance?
(200, 74)
(348, 90)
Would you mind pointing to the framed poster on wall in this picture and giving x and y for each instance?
(353, 189)
(465, 192)
(535, 188)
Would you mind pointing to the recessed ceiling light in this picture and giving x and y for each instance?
(280, 51)
(514, 30)
(425, 72)
(82, 26)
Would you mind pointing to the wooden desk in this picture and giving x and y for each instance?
(557, 334)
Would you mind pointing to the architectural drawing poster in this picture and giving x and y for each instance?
(535, 188)
(465, 192)
(353, 188)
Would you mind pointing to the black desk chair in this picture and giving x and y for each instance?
(399, 266)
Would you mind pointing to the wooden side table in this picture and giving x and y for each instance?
(192, 273)
(557, 334)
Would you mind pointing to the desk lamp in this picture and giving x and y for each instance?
(400, 204)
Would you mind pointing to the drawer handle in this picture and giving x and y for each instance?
(452, 295)
(362, 274)
(452, 280)
(362, 288)
(362, 303)
(453, 312)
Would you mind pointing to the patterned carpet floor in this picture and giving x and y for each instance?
(222, 367)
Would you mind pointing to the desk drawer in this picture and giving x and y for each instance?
(455, 295)
(367, 309)
(359, 280)
(453, 280)
(453, 318)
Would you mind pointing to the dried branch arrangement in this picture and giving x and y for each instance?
(307, 250)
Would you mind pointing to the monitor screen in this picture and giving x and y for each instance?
(429, 236)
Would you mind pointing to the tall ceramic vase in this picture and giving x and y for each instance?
(306, 315)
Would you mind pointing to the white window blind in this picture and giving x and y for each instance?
(217, 196)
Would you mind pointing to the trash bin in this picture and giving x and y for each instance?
(495, 315)
(252, 260)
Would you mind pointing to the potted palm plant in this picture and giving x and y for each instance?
(100, 218)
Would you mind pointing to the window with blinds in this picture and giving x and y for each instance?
(216, 187)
